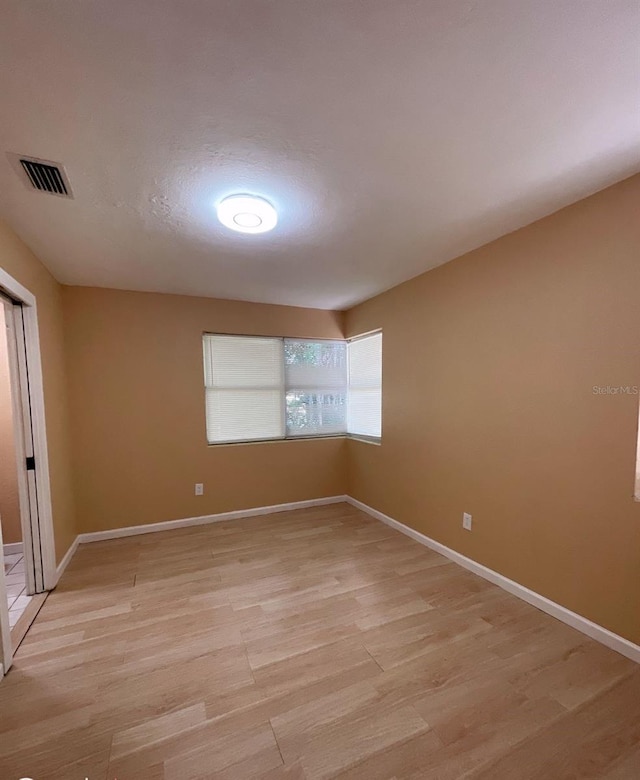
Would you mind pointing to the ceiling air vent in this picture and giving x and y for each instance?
(42, 175)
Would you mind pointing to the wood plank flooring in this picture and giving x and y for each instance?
(309, 644)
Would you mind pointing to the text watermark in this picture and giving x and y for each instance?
(615, 389)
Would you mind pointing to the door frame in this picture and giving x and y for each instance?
(27, 378)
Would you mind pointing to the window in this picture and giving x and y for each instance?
(316, 382)
(364, 409)
(244, 380)
(636, 493)
(260, 388)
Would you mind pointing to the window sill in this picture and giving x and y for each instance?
(295, 438)
(365, 440)
(275, 441)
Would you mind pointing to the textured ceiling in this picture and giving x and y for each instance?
(391, 135)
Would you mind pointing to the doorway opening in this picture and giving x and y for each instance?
(10, 519)
(26, 533)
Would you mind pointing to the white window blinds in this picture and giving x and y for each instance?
(260, 388)
(316, 384)
(244, 385)
(364, 408)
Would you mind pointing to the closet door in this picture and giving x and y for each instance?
(24, 445)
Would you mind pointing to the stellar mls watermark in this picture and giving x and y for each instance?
(615, 390)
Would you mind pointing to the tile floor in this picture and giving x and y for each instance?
(16, 579)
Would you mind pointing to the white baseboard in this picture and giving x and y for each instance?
(593, 630)
(13, 548)
(67, 558)
(168, 525)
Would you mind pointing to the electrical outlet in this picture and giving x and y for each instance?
(466, 521)
(199, 489)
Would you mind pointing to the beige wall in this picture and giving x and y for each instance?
(19, 261)
(488, 369)
(9, 495)
(138, 423)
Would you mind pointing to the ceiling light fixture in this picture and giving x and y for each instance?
(247, 214)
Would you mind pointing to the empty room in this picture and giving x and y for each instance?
(319, 390)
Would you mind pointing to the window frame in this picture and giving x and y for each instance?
(328, 390)
(241, 442)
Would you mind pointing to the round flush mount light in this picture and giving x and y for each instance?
(247, 214)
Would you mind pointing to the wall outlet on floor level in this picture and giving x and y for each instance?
(199, 489)
(466, 521)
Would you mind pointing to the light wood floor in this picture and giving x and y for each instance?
(310, 644)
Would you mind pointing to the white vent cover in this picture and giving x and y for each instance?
(41, 175)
